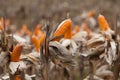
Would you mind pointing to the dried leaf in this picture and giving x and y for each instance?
(14, 65)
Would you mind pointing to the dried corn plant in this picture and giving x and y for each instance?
(64, 52)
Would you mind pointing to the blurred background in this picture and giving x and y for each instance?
(32, 12)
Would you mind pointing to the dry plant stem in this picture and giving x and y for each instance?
(47, 53)
(81, 67)
(43, 62)
(73, 73)
(47, 62)
(42, 59)
(22, 76)
(3, 55)
(61, 75)
(66, 74)
(17, 73)
(116, 65)
(42, 75)
(116, 71)
(4, 40)
(91, 70)
(47, 70)
(56, 37)
(4, 32)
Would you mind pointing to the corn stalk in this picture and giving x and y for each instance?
(117, 62)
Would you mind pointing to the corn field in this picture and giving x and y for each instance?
(63, 51)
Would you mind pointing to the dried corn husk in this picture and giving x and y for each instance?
(13, 66)
(60, 53)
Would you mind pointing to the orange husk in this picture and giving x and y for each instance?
(65, 28)
(24, 27)
(15, 56)
(28, 32)
(75, 30)
(17, 77)
(68, 33)
(42, 38)
(91, 13)
(19, 32)
(1, 23)
(104, 26)
(1, 26)
(85, 27)
(22, 30)
(7, 22)
(25, 30)
(36, 43)
(37, 30)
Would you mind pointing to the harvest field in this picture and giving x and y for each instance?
(59, 40)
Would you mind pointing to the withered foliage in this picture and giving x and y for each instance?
(64, 52)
